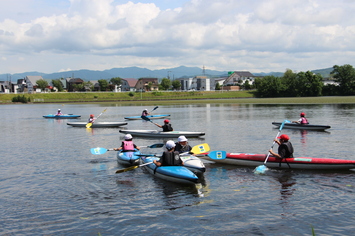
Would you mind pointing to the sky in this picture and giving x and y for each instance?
(227, 35)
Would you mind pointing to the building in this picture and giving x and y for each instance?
(128, 84)
(201, 83)
(144, 83)
(239, 77)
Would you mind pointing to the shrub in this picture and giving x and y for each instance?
(131, 94)
(20, 98)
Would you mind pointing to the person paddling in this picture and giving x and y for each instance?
(91, 118)
(145, 112)
(127, 145)
(59, 113)
(166, 127)
(169, 157)
(182, 145)
(285, 149)
(302, 120)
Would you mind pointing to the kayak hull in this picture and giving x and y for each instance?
(308, 163)
(98, 124)
(129, 158)
(300, 126)
(176, 174)
(149, 116)
(65, 116)
(160, 134)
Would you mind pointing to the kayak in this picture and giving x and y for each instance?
(161, 134)
(129, 158)
(177, 174)
(310, 163)
(193, 163)
(301, 126)
(98, 124)
(149, 116)
(64, 116)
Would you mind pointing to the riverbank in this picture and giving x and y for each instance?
(171, 97)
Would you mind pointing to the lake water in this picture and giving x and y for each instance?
(52, 185)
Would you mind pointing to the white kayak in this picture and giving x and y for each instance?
(98, 124)
(161, 134)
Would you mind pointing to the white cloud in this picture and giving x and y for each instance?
(265, 35)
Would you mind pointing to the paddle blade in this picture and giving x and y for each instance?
(260, 169)
(126, 169)
(157, 145)
(217, 155)
(88, 125)
(155, 108)
(98, 151)
(145, 118)
(201, 148)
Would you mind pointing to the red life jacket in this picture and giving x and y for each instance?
(128, 146)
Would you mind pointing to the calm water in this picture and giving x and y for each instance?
(52, 185)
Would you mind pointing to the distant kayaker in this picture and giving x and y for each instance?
(166, 127)
(303, 120)
(127, 145)
(145, 112)
(182, 145)
(285, 149)
(169, 157)
(59, 113)
(91, 119)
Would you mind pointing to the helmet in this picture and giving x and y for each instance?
(302, 114)
(182, 139)
(284, 137)
(128, 137)
(145, 110)
(166, 121)
(170, 144)
(58, 109)
(91, 115)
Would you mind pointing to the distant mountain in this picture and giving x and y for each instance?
(137, 72)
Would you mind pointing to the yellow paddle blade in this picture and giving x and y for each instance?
(127, 169)
(201, 148)
(88, 125)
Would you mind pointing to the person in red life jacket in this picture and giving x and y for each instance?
(127, 145)
(303, 120)
(169, 157)
(91, 119)
(145, 112)
(166, 127)
(285, 149)
(59, 113)
(182, 145)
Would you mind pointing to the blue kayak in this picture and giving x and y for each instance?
(129, 158)
(177, 174)
(64, 116)
(150, 117)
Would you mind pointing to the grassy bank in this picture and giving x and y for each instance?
(172, 97)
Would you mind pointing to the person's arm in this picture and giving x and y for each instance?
(136, 147)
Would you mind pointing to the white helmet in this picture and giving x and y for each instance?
(182, 139)
(128, 137)
(145, 110)
(58, 109)
(170, 144)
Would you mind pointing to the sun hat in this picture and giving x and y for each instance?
(284, 137)
(182, 139)
(128, 137)
(170, 144)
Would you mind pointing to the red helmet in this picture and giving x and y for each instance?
(302, 114)
(91, 115)
(284, 137)
(166, 121)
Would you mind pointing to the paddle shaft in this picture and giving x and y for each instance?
(154, 109)
(281, 126)
(132, 168)
(88, 125)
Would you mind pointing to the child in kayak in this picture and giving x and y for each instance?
(303, 120)
(169, 157)
(166, 127)
(182, 145)
(59, 113)
(285, 149)
(127, 145)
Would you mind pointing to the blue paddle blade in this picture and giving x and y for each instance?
(260, 169)
(98, 151)
(217, 155)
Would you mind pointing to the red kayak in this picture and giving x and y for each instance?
(310, 163)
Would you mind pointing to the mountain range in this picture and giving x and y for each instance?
(137, 72)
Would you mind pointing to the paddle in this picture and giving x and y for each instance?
(147, 119)
(88, 125)
(263, 168)
(217, 155)
(154, 109)
(100, 150)
(201, 148)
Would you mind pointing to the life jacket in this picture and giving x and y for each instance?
(179, 148)
(289, 149)
(304, 120)
(127, 146)
(167, 128)
(171, 159)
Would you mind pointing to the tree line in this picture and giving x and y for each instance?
(307, 84)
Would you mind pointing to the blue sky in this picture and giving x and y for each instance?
(254, 35)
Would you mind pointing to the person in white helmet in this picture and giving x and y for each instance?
(182, 145)
(127, 145)
(145, 112)
(169, 157)
(59, 113)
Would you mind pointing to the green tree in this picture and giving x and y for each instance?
(269, 86)
(58, 84)
(165, 84)
(217, 87)
(42, 84)
(103, 84)
(290, 82)
(176, 84)
(116, 81)
(345, 76)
